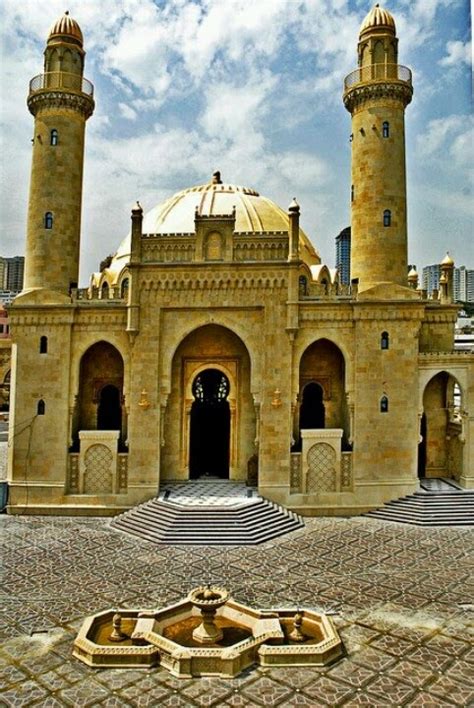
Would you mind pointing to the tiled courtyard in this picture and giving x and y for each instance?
(402, 597)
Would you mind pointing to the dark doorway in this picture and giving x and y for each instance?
(312, 411)
(210, 425)
(109, 412)
(422, 449)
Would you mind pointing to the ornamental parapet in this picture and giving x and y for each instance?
(61, 89)
(378, 81)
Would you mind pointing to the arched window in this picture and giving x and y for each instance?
(303, 285)
(41, 407)
(53, 137)
(48, 220)
(105, 290)
(384, 404)
(387, 217)
(384, 340)
(386, 129)
(124, 288)
(43, 345)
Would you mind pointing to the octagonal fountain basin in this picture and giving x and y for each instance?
(207, 634)
(103, 641)
(177, 632)
(310, 639)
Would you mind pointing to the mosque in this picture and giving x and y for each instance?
(215, 342)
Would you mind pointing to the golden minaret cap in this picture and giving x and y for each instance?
(66, 26)
(378, 18)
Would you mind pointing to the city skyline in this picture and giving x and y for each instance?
(255, 91)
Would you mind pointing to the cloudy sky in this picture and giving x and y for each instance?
(250, 87)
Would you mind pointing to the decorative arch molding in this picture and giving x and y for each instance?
(307, 339)
(461, 377)
(79, 348)
(173, 339)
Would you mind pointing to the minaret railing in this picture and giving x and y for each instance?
(61, 80)
(377, 72)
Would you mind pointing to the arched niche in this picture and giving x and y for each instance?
(322, 391)
(440, 451)
(100, 395)
(210, 347)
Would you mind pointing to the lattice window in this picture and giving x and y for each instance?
(346, 470)
(98, 474)
(321, 468)
(295, 472)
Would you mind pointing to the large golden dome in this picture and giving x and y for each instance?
(378, 18)
(253, 214)
(66, 26)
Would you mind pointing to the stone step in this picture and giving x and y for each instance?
(437, 508)
(243, 524)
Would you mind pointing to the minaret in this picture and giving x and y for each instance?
(376, 95)
(61, 101)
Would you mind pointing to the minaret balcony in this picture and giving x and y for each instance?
(377, 72)
(62, 81)
(376, 81)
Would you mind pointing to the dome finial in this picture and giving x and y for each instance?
(216, 177)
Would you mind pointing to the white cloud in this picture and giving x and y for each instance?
(457, 53)
(437, 133)
(127, 111)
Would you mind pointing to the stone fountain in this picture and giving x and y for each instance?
(207, 634)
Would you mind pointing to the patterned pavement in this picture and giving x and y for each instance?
(208, 492)
(401, 596)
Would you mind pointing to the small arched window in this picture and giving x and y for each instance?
(53, 137)
(124, 288)
(48, 220)
(387, 217)
(43, 345)
(384, 340)
(105, 290)
(384, 404)
(303, 285)
(386, 129)
(41, 407)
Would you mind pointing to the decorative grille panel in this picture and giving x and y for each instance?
(321, 468)
(346, 470)
(98, 474)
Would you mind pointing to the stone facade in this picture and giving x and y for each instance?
(215, 341)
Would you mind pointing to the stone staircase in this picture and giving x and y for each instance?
(242, 521)
(436, 504)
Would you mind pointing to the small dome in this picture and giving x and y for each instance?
(447, 260)
(66, 26)
(413, 275)
(378, 17)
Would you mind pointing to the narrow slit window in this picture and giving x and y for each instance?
(386, 129)
(54, 136)
(384, 404)
(43, 345)
(387, 217)
(384, 340)
(48, 220)
(352, 192)
(41, 407)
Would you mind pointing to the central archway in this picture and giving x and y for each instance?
(210, 425)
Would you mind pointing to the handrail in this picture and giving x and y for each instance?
(61, 80)
(377, 72)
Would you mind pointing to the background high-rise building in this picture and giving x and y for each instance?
(463, 284)
(343, 255)
(431, 276)
(13, 277)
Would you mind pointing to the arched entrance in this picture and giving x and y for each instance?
(440, 451)
(323, 401)
(109, 411)
(210, 425)
(312, 412)
(99, 404)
